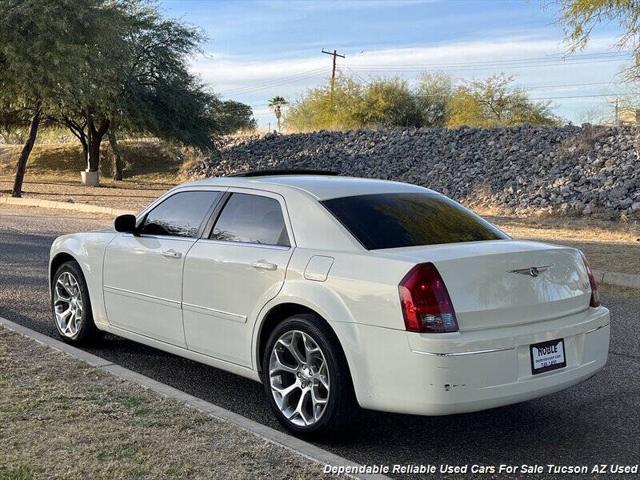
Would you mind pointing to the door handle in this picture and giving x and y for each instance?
(172, 254)
(264, 265)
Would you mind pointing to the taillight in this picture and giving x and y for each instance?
(595, 296)
(426, 305)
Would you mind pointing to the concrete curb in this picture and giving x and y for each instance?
(618, 279)
(78, 207)
(284, 440)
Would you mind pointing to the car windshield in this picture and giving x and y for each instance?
(391, 220)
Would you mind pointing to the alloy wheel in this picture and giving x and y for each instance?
(299, 378)
(67, 304)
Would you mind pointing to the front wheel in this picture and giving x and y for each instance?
(71, 306)
(306, 377)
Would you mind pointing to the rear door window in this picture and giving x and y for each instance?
(180, 215)
(251, 219)
(391, 220)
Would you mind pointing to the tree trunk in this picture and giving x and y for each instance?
(95, 139)
(26, 150)
(117, 158)
(77, 129)
(94, 154)
(85, 149)
(93, 159)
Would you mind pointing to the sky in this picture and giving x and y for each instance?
(257, 49)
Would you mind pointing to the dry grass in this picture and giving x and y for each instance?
(60, 418)
(570, 228)
(145, 161)
(127, 195)
(611, 246)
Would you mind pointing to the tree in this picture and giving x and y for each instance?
(581, 17)
(433, 103)
(321, 109)
(276, 104)
(494, 102)
(144, 85)
(434, 94)
(387, 103)
(234, 116)
(43, 46)
(118, 162)
(380, 103)
(14, 122)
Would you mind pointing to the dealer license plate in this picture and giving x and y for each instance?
(547, 356)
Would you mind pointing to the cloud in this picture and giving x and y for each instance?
(228, 74)
(532, 60)
(336, 5)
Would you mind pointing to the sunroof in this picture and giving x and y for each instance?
(264, 173)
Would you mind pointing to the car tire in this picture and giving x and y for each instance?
(331, 383)
(69, 294)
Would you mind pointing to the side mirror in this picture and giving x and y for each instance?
(125, 223)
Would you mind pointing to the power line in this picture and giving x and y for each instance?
(357, 75)
(529, 62)
(521, 86)
(588, 96)
(274, 83)
(563, 85)
(483, 67)
(514, 64)
(278, 82)
(544, 59)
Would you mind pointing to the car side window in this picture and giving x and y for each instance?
(251, 219)
(180, 215)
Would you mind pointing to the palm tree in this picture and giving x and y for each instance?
(276, 104)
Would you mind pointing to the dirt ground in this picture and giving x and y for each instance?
(608, 245)
(127, 194)
(60, 418)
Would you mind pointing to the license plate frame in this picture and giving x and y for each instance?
(547, 367)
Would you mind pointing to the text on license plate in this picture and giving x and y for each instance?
(547, 356)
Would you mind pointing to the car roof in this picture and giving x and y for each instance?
(321, 187)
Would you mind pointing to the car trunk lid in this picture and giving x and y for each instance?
(505, 283)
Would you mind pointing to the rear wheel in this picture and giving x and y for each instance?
(71, 305)
(306, 377)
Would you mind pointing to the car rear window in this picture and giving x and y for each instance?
(391, 220)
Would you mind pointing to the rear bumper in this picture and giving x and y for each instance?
(444, 374)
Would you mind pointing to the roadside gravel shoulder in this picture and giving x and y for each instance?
(60, 418)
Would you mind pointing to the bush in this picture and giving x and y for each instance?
(433, 103)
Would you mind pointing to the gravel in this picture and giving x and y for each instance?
(522, 170)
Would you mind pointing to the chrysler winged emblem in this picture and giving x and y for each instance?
(531, 271)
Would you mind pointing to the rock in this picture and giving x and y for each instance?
(578, 170)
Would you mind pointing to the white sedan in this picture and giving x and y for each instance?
(337, 292)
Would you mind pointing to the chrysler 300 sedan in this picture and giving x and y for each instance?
(337, 293)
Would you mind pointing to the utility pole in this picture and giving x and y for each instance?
(334, 54)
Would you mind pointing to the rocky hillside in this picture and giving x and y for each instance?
(522, 170)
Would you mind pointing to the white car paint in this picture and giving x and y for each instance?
(209, 302)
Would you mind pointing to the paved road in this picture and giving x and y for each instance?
(595, 422)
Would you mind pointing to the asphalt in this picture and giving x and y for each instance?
(596, 422)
